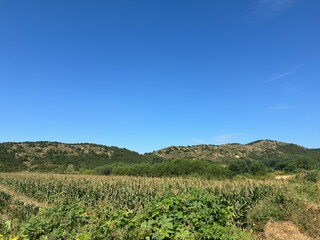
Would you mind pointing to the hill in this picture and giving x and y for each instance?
(59, 157)
(258, 150)
(62, 157)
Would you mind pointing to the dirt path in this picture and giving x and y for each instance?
(284, 177)
(283, 231)
(18, 196)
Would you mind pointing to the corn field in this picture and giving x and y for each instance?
(126, 192)
(119, 193)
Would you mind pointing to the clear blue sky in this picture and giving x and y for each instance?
(149, 74)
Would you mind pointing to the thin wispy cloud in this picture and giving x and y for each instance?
(227, 137)
(292, 89)
(285, 74)
(268, 8)
(280, 76)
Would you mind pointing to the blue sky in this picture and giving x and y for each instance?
(149, 74)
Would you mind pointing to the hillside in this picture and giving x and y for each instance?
(62, 157)
(258, 150)
(56, 156)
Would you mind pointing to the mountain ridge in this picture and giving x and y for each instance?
(260, 149)
(70, 157)
(52, 155)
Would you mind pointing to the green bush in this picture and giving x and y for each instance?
(168, 168)
(287, 204)
(5, 199)
(194, 215)
(185, 216)
(58, 222)
(312, 176)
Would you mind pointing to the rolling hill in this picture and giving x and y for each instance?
(56, 156)
(63, 157)
(258, 150)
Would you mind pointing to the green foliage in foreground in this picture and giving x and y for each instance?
(97, 207)
(184, 216)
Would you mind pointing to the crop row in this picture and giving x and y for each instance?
(129, 192)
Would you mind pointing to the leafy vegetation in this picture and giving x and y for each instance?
(168, 168)
(97, 207)
(77, 203)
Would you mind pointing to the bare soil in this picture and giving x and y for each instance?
(284, 177)
(283, 231)
(17, 196)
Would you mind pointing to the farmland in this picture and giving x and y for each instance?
(55, 206)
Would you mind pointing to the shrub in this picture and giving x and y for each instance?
(185, 216)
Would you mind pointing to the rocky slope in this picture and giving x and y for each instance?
(62, 157)
(55, 156)
(258, 150)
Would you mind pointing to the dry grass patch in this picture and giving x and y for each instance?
(283, 230)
